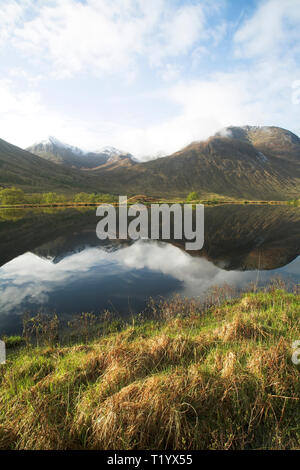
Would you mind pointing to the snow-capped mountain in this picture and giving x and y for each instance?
(110, 151)
(68, 155)
(58, 152)
(53, 141)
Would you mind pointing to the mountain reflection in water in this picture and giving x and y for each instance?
(52, 261)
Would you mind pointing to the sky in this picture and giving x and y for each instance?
(148, 77)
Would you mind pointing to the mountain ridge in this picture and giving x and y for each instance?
(265, 165)
(70, 156)
(242, 162)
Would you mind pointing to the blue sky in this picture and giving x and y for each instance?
(147, 77)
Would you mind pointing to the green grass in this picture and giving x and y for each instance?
(12, 342)
(187, 379)
(294, 202)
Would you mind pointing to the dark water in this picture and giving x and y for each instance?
(52, 261)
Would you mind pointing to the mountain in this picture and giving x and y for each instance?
(64, 154)
(55, 151)
(34, 174)
(111, 152)
(275, 141)
(107, 158)
(243, 162)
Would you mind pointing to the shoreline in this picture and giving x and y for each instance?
(96, 204)
(188, 379)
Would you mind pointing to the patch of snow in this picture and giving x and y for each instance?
(57, 143)
(110, 151)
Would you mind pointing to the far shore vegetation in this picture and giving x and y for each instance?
(183, 375)
(16, 197)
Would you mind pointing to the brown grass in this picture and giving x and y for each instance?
(220, 380)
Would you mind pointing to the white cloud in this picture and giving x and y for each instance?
(204, 107)
(104, 37)
(22, 114)
(170, 72)
(296, 92)
(178, 31)
(16, 102)
(225, 133)
(10, 13)
(100, 36)
(274, 29)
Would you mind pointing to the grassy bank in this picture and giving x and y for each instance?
(16, 198)
(188, 379)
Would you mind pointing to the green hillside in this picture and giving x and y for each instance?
(33, 174)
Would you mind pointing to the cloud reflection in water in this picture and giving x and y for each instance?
(95, 278)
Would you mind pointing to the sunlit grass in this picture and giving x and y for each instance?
(219, 378)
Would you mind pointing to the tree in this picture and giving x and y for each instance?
(50, 198)
(36, 198)
(12, 196)
(94, 198)
(193, 196)
(82, 197)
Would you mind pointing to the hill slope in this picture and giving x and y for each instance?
(247, 162)
(32, 173)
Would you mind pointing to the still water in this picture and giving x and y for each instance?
(52, 261)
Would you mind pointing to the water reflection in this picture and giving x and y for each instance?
(65, 268)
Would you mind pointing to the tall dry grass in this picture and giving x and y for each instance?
(191, 379)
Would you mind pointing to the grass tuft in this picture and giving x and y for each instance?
(223, 379)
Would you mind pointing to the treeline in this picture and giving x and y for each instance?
(13, 196)
(295, 202)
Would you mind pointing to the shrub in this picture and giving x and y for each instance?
(193, 196)
(12, 196)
